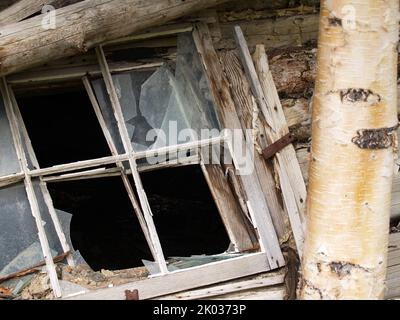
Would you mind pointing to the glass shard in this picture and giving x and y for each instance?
(162, 109)
(18, 231)
(8, 157)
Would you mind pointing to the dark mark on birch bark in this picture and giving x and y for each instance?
(308, 285)
(343, 269)
(382, 138)
(335, 22)
(353, 95)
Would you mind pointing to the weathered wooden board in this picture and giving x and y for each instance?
(247, 110)
(273, 121)
(227, 114)
(393, 273)
(184, 279)
(274, 293)
(239, 230)
(255, 282)
(21, 10)
(84, 25)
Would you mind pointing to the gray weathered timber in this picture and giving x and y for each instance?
(246, 106)
(21, 10)
(184, 279)
(285, 163)
(229, 119)
(84, 25)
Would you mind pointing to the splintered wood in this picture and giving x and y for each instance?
(274, 125)
(247, 110)
(229, 119)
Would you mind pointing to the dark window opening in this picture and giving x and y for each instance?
(185, 214)
(104, 227)
(105, 230)
(63, 128)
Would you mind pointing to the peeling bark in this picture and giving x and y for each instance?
(359, 95)
(382, 138)
(353, 145)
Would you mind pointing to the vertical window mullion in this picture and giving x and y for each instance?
(114, 152)
(43, 186)
(132, 161)
(30, 190)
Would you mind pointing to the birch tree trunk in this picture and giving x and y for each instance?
(353, 144)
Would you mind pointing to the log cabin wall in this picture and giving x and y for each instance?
(56, 3)
(289, 32)
(287, 29)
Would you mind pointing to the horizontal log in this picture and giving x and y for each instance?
(21, 10)
(18, 10)
(276, 32)
(84, 25)
(6, 3)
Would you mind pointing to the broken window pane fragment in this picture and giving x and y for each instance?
(19, 242)
(162, 109)
(191, 78)
(8, 157)
(18, 230)
(107, 113)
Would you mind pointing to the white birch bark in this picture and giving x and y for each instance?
(353, 144)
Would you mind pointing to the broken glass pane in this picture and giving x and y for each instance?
(161, 106)
(137, 120)
(107, 112)
(191, 78)
(178, 107)
(19, 241)
(166, 109)
(18, 230)
(128, 88)
(8, 158)
(179, 263)
(65, 222)
(49, 228)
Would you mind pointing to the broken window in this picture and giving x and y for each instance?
(109, 163)
(103, 227)
(19, 246)
(57, 124)
(197, 228)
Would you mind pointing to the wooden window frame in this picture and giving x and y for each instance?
(269, 257)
